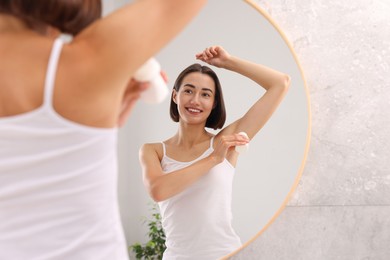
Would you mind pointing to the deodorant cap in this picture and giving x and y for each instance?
(149, 70)
(242, 148)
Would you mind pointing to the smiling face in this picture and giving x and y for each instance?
(195, 98)
(200, 80)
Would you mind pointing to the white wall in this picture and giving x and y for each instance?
(341, 208)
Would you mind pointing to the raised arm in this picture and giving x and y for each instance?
(104, 56)
(274, 82)
(115, 46)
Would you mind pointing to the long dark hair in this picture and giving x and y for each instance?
(217, 117)
(69, 16)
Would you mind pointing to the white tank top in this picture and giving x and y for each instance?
(198, 221)
(58, 185)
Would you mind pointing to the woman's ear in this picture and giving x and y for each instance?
(174, 95)
(52, 32)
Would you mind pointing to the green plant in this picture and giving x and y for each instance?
(155, 247)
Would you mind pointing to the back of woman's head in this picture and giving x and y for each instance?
(69, 16)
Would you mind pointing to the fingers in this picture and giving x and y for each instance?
(214, 50)
(208, 53)
(136, 86)
(243, 134)
(229, 141)
(164, 76)
(234, 140)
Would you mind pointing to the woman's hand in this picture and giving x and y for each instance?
(130, 97)
(132, 94)
(227, 143)
(214, 55)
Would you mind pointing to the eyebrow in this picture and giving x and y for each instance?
(192, 86)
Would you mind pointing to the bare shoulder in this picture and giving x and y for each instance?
(78, 60)
(151, 149)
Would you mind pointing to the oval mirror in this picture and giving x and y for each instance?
(266, 174)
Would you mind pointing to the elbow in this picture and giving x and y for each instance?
(286, 81)
(156, 193)
(156, 196)
(281, 84)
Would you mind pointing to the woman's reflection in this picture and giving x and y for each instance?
(190, 175)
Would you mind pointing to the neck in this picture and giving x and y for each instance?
(11, 23)
(189, 135)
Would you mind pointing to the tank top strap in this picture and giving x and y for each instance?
(212, 142)
(51, 70)
(164, 150)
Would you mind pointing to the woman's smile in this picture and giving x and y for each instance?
(194, 111)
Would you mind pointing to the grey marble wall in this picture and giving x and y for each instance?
(341, 208)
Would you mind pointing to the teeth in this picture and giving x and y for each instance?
(194, 110)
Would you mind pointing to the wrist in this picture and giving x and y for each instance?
(215, 159)
(230, 62)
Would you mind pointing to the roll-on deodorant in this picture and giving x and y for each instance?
(151, 72)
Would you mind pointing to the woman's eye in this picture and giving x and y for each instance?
(187, 91)
(206, 95)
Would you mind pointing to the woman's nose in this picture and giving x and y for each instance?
(195, 99)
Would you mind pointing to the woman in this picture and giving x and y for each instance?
(60, 106)
(190, 174)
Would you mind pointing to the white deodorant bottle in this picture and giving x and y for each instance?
(242, 148)
(151, 72)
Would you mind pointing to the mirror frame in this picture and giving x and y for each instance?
(308, 136)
